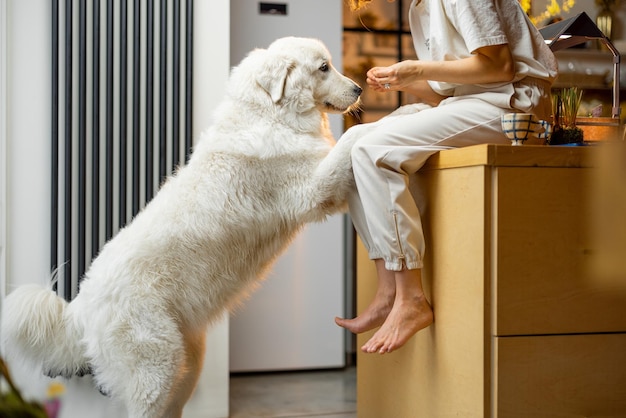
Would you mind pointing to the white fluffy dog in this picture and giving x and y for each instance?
(265, 168)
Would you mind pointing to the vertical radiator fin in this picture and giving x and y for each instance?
(121, 118)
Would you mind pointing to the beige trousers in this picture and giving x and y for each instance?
(389, 151)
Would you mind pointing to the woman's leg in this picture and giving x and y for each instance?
(377, 311)
(411, 312)
(387, 217)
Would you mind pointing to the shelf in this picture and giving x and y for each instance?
(586, 68)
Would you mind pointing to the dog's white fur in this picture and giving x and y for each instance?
(265, 167)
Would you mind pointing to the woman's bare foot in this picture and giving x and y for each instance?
(410, 313)
(405, 320)
(375, 314)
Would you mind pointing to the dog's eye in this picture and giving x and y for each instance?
(324, 67)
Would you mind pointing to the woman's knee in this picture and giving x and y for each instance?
(360, 155)
(358, 131)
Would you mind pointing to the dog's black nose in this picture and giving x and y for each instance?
(358, 90)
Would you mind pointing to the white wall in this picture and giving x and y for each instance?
(25, 168)
(3, 141)
(27, 141)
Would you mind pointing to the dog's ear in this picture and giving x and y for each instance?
(273, 77)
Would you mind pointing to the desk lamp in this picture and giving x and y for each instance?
(577, 30)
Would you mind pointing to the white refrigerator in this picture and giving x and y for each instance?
(287, 324)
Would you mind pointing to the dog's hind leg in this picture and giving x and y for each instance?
(188, 374)
(140, 363)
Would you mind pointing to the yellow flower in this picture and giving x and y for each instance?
(525, 5)
(553, 9)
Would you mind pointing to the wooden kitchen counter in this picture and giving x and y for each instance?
(523, 328)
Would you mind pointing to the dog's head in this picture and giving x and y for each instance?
(300, 70)
(297, 73)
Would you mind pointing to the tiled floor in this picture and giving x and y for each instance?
(325, 394)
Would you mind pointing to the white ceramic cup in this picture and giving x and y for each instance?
(519, 126)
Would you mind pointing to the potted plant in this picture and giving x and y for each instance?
(12, 404)
(566, 103)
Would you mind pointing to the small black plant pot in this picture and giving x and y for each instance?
(563, 136)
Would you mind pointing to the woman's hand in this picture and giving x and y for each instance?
(403, 77)
(396, 77)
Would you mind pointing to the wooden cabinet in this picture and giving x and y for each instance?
(522, 328)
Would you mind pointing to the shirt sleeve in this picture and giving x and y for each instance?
(477, 21)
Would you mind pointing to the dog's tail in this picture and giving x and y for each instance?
(36, 328)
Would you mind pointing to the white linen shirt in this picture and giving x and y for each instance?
(453, 29)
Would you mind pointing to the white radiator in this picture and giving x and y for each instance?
(122, 118)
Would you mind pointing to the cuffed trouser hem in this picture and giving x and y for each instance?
(399, 265)
(396, 264)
